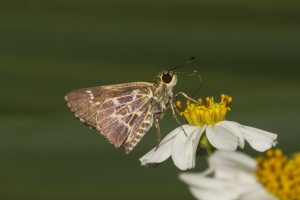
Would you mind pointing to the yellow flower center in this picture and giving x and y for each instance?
(210, 113)
(280, 175)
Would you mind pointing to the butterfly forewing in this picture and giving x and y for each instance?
(122, 113)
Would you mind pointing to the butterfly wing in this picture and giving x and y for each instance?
(122, 113)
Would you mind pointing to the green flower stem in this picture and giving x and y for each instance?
(206, 145)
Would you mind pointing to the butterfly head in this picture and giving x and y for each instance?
(168, 78)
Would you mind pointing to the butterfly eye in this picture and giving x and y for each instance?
(166, 78)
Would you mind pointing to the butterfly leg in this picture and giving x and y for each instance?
(175, 116)
(186, 96)
(156, 122)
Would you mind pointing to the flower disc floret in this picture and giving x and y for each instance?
(279, 174)
(210, 113)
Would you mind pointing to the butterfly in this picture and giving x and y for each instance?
(123, 113)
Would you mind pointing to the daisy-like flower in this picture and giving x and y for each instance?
(208, 129)
(234, 175)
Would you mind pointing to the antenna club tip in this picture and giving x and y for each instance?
(192, 58)
(183, 63)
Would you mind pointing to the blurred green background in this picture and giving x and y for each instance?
(247, 49)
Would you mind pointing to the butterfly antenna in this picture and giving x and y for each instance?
(187, 62)
(193, 73)
(200, 81)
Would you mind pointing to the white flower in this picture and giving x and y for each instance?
(183, 154)
(224, 135)
(232, 177)
(208, 129)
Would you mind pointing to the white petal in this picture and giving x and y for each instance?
(257, 144)
(257, 140)
(233, 129)
(234, 174)
(212, 188)
(192, 178)
(266, 133)
(235, 160)
(184, 147)
(204, 194)
(173, 133)
(221, 139)
(260, 193)
(200, 181)
(164, 150)
(158, 156)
